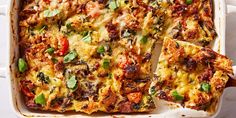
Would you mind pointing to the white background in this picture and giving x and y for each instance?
(228, 110)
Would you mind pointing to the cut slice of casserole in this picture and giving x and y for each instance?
(190, 75)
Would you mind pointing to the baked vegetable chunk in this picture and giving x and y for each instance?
(190, 75)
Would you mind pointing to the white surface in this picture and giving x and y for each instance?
(5, 108)
(227, 111)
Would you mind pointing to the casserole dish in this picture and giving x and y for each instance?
(163, 110)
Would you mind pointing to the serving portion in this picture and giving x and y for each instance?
(190, 75)
(89, 56)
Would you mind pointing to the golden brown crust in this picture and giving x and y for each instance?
(190, 22)
(91, 56)
(190, 75)
(86, 56)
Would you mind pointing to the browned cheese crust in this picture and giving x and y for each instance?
(94, 55)
(190, 75)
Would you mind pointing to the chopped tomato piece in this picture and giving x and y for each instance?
(26, 86)
(47, 1)
(125, 107)
(64, 43)
(134, 97)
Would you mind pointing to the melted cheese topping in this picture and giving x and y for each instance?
(188, 74)
(91, 56)
(101, 55)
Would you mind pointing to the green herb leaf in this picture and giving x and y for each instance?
(43, 28)
(43, 78)
(72, 82)
(106, 64)
(54, 60)
(188, 2)
(49, 13)
(22, 65)
(110, 75)
(40, 99)
(143, 40)
(205, 87)
(101, 49)
(179, 25)
(177, 96)
(87, 38)
(84, 33)
(153, 90)
(113, 5)
(68, 25)
(177, 45)
(50, 50)
(70, 56)
(154, 4)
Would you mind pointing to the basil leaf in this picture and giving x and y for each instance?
(106, 64)
(40, 99)
(177, 96)
(101, 49)
(22, 65)
(72, 82)
(188, 2)
(54, 60)
(113, 5)
(205, 87)
(110, 75)
(143, 40)
(68, 25)
(177, 45)
(87, 38)
(84, 33)
(43, 78)
(70, 56)
(153, 90)
(49, 13)
(50, 50)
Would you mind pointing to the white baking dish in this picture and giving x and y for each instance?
(163, 110)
